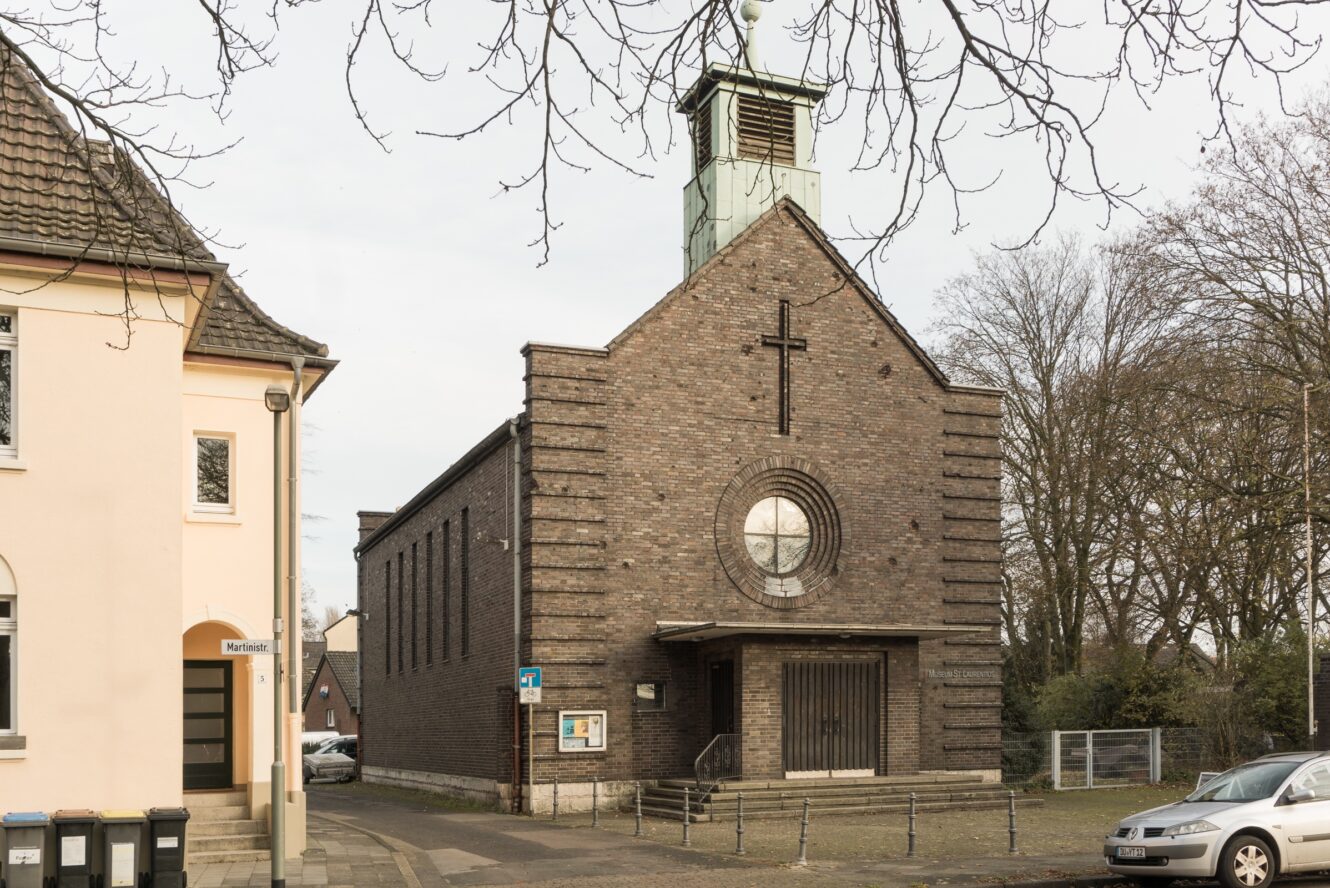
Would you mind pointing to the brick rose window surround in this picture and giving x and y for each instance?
(803, 484)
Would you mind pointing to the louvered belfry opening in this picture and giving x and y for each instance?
(702, 135)
(765, 129)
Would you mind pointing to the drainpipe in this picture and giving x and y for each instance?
(294, 671)
(515, 432)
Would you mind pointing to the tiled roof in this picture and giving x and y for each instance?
(312, 651)
(59, 188)
(343, 665)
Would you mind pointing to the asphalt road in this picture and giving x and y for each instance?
(483, 848)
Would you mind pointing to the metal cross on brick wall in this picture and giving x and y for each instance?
(784, 341)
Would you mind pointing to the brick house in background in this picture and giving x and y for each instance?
(761, 516)
(332, 699)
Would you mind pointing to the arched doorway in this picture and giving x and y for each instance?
(216, 710)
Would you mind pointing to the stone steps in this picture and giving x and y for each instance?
(221, 829)
(922, 791)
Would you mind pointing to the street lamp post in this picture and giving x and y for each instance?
(278, 401)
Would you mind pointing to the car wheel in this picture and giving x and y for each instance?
(1247, 862)
(308, 775)
(1152, 881)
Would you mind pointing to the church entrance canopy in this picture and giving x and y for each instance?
(676, 631)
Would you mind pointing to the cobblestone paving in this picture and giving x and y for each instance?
(337, 858)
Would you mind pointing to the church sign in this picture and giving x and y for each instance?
(582, 731)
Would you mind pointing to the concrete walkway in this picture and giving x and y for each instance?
(356, 839)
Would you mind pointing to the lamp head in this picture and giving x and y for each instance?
(277, 399)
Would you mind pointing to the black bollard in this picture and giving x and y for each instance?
(638, 795)
(1011, 821)
(803, 838)
(555, 809)
(687, 816)
(909, 850)
(595, 801)
(739, 829)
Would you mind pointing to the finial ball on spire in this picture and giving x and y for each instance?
(751, 10)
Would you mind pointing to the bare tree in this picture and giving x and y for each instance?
(593, 82)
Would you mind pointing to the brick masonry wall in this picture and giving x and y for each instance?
(446, 714)
(627, 452)
(316, 711)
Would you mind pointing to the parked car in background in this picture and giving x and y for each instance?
(335, 758)
(312, 740)
(1244, 827)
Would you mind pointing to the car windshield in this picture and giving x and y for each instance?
(327, 746)
(1245, 783)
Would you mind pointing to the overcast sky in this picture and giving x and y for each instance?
(415, 269)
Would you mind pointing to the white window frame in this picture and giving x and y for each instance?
(228, 507)
(9, 627)
(331, 721)
(9, 343)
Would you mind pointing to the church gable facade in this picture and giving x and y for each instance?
(760, 518)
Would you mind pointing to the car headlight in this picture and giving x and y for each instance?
(1190, 828)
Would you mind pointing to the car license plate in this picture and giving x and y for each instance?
(1128, 851)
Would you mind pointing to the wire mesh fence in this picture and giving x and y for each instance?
(1123, 758)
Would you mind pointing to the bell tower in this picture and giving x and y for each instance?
(752, 135)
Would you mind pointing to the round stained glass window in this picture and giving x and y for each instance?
(776, 533)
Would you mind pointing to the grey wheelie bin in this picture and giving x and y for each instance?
(122, 833)
(25, 844)
(167, 826)
(73, 848)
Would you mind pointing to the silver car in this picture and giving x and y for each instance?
(1245, 827)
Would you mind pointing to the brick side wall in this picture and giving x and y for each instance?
(445, 715)
(316, 712)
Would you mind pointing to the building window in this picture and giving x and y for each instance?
(466, 582)
(415, 607)
(388, 617)
(213, 462)
(401, 569)
(446, 628)
(776, 533)
(332, 719)
(429, 598)
(8, 662)
(8, 407)
(649, 694)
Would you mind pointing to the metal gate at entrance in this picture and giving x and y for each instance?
(1097, 759)
(830, 719)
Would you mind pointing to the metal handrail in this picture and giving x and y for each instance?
(721, 759)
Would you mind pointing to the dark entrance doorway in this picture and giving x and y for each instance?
(830, 719)
(722, 697)
(208, 732)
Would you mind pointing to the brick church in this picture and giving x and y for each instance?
(756, 535)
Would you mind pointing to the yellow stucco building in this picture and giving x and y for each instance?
(137, 509)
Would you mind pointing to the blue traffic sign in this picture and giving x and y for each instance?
(528, 677)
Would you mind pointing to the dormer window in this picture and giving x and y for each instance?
(765, 129)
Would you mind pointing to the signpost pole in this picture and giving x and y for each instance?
(531, 758)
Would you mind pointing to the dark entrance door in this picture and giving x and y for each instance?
(722, 697)
(830, 719)
(207, 724)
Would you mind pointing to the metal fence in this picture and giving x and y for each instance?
(1096, 759)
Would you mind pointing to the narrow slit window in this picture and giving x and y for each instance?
(466, 582)
(388, 617)
(401, 570)
(429, 598)
(8, 657)
(415, 607)
(447, 626)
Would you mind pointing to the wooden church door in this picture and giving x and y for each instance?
(830, 719)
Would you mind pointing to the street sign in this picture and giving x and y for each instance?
(528, 684)
(246, 647)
